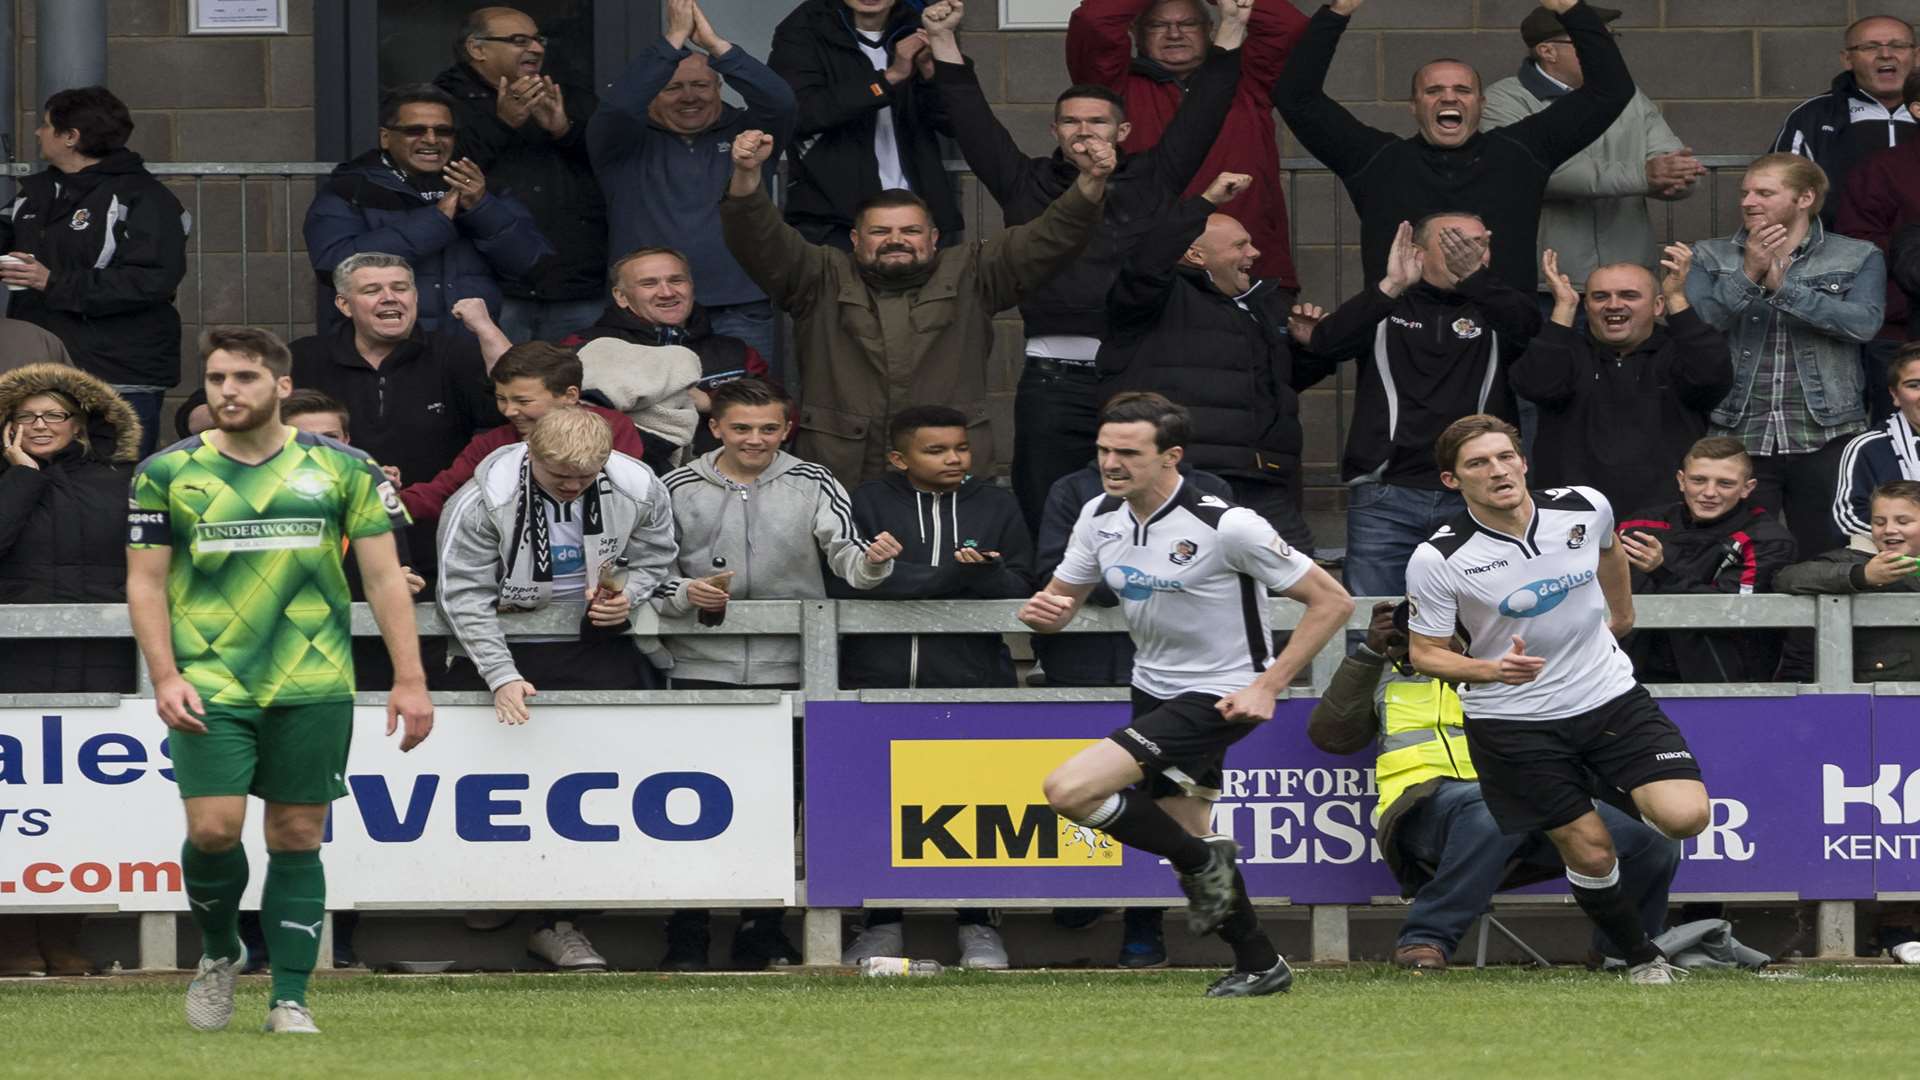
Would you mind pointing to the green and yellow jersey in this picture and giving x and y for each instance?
(255, 587)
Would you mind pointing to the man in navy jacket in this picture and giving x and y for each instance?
(413, 198)
(662, 146)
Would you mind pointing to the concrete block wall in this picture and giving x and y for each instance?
(213, 98)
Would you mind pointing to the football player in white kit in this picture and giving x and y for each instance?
(1192, 573)
(1537, 584)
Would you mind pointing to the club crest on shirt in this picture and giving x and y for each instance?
(1577, 537)
(1183, 552)
(1466, 329)
(80, 220)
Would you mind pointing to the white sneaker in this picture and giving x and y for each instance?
(887, 939)
(1655, 972)
(289, 1018)
(210, 994)
(566, 948)
(981, 949)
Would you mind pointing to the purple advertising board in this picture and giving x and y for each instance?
(940, 802)
(1889, 799)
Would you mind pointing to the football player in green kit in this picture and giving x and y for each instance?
(240, 604)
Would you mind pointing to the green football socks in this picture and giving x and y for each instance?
(293, 908)
(214, 883)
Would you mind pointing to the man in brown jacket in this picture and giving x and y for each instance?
(897, 322)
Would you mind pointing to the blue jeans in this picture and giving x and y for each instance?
(1385, 522)
(146, 405)
(547, 320)
(753, 324)
(1453, 832)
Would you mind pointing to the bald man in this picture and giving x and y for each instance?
(1188, 319)
(1449, 164)
(1623, 401)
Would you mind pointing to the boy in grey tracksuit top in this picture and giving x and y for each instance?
(756, 530)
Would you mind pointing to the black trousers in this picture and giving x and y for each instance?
(1802, 486)
(1055, 420)
(605, 663)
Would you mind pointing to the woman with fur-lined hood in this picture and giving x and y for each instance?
(70, 445)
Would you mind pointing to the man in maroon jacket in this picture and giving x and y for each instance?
(1171, 36)
(529, 381)
(1881, 196)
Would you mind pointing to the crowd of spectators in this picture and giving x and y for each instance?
(508, 322)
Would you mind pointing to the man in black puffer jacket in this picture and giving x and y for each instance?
(1188, 320)
(961, 539)
(861, 70)
(528, 134)
(1713, 542)
(63, 522)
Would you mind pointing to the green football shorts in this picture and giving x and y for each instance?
(281, 753)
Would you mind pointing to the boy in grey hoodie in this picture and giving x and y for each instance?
(740, 513)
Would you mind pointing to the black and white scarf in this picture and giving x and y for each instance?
(531, 536)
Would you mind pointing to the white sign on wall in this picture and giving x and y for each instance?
(237, 17)
(1035, 14)
(582, 806)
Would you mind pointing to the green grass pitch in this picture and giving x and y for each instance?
(1363, 1021)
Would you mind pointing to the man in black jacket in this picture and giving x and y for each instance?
(1861, 112)
(101, 247)
(868, 116)
(1441, 330)
(1622, 400)
(653, 305)
(1713, 542)
(528, 134)
(1500, 175)
(1054, 408)
(417, 397)
(1187, 319)
(961, 538)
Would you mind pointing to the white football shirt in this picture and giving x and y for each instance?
(1543, 587)
(1192, 581)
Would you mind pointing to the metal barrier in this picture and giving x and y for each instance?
(821, 623)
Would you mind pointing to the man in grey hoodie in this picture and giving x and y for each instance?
(739, 513)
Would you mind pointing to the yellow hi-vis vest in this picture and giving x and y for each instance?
(1422, 736)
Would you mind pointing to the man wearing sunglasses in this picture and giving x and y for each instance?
(528, 134)
(414, 197)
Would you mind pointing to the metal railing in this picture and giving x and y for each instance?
(820, 624)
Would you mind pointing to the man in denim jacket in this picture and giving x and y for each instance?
(1796, 302)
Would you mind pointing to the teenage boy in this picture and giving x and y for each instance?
(529, 381)
(1713, 541)
(961, 538)
(739, 513)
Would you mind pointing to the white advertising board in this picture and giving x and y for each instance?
(584, 806)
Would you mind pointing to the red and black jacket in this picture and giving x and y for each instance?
(1735, 554)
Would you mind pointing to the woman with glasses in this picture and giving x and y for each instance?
(95, 248)
(69, 444)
